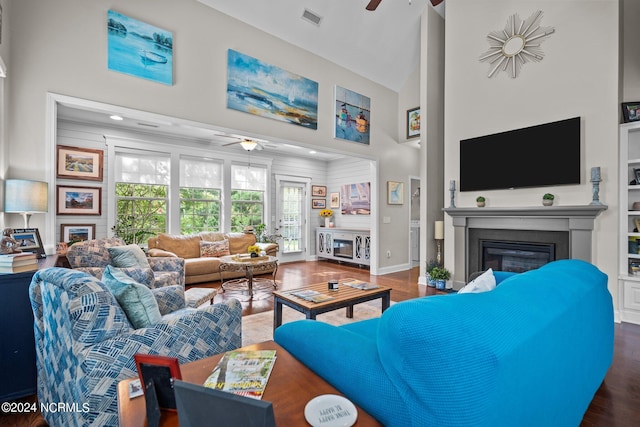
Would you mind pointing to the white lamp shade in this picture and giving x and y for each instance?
(248, 144)
(438, 230)
(24, 196)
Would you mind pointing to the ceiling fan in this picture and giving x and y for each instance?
(373, 4)
(248, 144)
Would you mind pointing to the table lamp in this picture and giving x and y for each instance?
(438, 235)
(25, 197)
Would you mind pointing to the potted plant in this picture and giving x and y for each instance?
(547, 199)
(430, 266)
(326, 214)
(254, 250)
(441, 275)
(480, 201)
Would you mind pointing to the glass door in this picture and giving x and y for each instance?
(291, 220)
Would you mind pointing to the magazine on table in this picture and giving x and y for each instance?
(311, 295)
(243, 372)
(359, 284)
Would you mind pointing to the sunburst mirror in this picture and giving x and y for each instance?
(516, 45)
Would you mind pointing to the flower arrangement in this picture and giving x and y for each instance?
(253, 249)
(326, 213)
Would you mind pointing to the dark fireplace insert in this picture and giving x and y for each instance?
(343, 248)
(516, 257)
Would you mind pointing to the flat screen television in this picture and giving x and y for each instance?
(536, 156)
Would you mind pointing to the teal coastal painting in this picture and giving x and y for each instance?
(139, 49)
(352, 116)
(264, 90)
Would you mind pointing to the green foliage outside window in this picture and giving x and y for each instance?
(247, 208)
(141, 211)
(199, 210)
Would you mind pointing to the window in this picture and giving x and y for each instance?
(248, 187)
(200, 189)
(141, 195)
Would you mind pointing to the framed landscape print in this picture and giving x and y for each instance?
(334, 200)
(78, 200)
(29, 240)
(413, 123)
(79, 163)
(318, 203)
(318, 191)
(395, 193)
(77, 232)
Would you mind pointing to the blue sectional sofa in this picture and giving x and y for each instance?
(531, 352)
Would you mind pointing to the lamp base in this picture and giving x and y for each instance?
(439, 253)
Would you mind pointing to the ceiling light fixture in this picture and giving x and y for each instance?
(248, 144)
(116, 117)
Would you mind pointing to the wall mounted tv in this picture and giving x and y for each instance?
(537, 156)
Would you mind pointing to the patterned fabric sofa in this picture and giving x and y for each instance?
(85, 343)
(531, 352)
(199, 268)
(92, 256)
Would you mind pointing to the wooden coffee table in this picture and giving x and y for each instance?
(291, 385)
(345, 296)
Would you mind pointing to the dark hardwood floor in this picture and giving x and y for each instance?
(616, 404)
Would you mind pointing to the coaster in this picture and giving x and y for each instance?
(330, 410)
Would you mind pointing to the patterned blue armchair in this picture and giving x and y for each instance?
(92, 256)
(85, 343)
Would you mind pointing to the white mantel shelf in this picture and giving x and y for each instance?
(588, 211)
(578, 221)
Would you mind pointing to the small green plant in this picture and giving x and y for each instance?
(480, 199)
(548, 196)
(263, 235)
(440, 273)
(431, 264)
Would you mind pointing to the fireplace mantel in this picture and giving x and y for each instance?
(577, 220)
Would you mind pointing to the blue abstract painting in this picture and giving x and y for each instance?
(139, 49)
(352, 115)
(264, 90)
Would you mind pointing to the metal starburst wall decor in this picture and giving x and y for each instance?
(516, 45)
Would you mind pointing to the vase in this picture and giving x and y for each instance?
(441, 284)
(327, 222)
(254, 255)
(547, 202)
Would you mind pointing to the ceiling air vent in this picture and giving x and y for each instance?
(312, 17)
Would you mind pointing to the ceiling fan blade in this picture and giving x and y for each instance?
(231, 143)
(434, 3)
(373, 4)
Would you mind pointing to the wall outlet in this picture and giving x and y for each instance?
(388, 254)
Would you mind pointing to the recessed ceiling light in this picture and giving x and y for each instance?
(116, 117)
(312, 152)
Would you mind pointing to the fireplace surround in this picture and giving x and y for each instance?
(569, 228)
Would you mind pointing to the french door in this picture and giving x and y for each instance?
(292, 218)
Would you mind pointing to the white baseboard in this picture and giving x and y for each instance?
(393, 269)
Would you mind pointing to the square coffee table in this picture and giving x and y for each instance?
(345, 296)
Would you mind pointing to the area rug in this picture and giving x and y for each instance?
(259, 327)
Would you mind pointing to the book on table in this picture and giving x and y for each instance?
(243, 372)
(359, 284)
(311, 295)
(17, 263)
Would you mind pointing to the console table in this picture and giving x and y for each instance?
(17, 343)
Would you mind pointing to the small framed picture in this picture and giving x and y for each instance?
(413, 123)
(318, 191)
(334, 200)
(631, 111)
(159, 373)
(77, 232)
(318, 203)
(395, 193)
(636, 174)
(29, 241)
(79, 163)
(78, 200)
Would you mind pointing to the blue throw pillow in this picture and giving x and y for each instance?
(136, 299)
(128, 256)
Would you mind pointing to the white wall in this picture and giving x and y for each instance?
(62, 49)
(577, 77)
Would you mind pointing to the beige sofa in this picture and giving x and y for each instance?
(200, 269)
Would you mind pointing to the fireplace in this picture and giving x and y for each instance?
(516, 257)
(568, 228)
(343, 248)
(514, 250)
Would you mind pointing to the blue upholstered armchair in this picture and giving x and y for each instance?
(85, 343)
(92, 256)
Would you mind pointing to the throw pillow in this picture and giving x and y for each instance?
(136, 299)
(128, 256)
(483, 283)
(214, 249)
